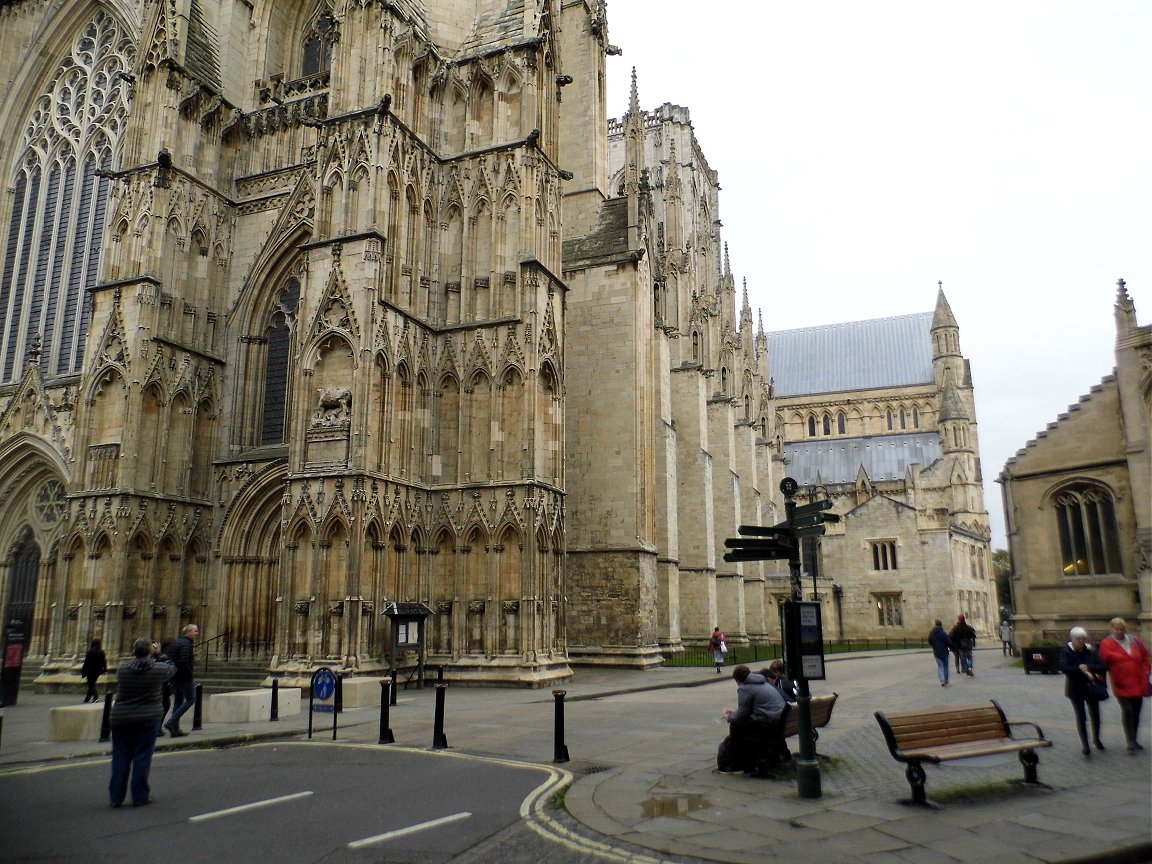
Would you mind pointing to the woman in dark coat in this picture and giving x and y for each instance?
(95, 665)
(1081, 666)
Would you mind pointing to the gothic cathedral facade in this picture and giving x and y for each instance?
(310, 309)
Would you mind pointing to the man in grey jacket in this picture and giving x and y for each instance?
(135, 720)
(754, 725)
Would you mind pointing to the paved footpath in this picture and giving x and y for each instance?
(642, 751)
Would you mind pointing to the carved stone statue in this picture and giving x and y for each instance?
(333, 406)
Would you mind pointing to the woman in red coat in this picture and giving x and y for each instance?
(1128, 668)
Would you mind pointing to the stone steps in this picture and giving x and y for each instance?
(223, 676)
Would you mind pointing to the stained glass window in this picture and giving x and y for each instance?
(56, 226)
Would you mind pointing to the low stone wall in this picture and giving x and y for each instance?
(76, 722)
(250, 706)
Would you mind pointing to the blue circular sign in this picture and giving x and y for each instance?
(323, 684)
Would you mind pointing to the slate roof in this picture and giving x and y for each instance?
(493, 30)
(838, 460)
(201, 55)
(856, 355)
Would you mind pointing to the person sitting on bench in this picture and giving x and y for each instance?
(754, 732)
(774, 674)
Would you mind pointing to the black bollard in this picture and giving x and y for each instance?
(560, 749)
(439, 674)
(392, 689)
(275, 715)
(386, 736)
(106, 720)
(198, 711)
(439, 741)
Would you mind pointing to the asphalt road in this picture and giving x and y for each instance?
(283, 802)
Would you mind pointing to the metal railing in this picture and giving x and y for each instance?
(749, 654)
(203, 644)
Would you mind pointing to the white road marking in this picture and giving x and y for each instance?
(243, 808)
(411, 829)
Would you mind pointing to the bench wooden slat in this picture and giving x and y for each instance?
(820, 710)
(971, 749)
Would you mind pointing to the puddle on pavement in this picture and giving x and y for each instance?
(673, 805)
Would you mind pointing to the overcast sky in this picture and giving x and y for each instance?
(868, 150)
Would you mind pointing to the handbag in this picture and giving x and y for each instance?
(723, 647)
(1097, 690)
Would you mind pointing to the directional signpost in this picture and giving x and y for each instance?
(782, 542)
(321, 697)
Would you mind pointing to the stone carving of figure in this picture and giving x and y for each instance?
(334, 405)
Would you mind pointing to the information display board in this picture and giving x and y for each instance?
(804, 640)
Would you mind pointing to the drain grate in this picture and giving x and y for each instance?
(586, 768)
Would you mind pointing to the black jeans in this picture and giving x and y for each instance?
(1130, 716)
(132, 747)
(755, 741)
(184, 693)
(1093, 712)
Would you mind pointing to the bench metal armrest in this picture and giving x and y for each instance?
(1039, 733)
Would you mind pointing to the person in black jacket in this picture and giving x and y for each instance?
(135, 719)
(941, 644)
(95, 665)
(1081, 665)
(963, 641)
(183, 682)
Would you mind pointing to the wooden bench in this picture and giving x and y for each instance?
(958, 732)
(820, 710)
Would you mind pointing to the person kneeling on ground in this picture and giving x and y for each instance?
(754, 729)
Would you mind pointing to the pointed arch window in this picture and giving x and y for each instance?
(318, 44)
(811, 426)
(279, 335)
(1086, 526)
(841, 423)
(826, 423)
(55, 229)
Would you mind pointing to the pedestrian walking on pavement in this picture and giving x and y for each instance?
(719, 645)
(135, 719)
(1084, 672)
(941, 644)
(1006, 638)
(1129, 668)
(95, 665)
(183, 682)
(963, 641)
